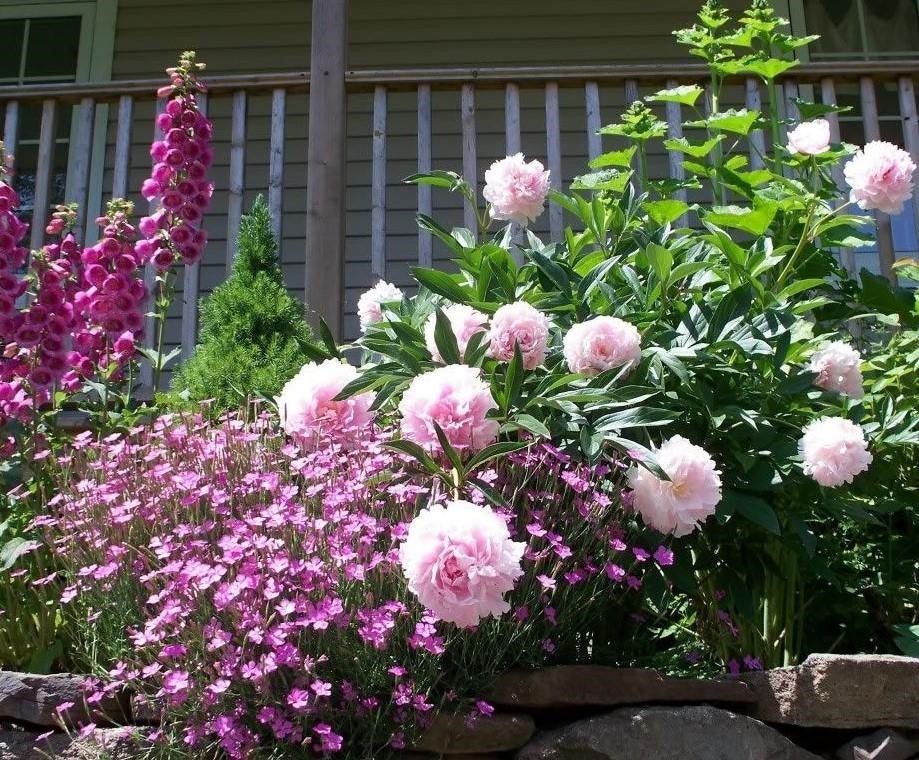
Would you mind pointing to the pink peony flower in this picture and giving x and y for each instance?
(369, 305)
(838, 368)
(600, 344)
(516, 189)
(458, 400)
(881, 177)
(524, 325)
(308, 410)
(690, 496)
(465, 322)
(834, 451)
(810, 138)
(459, 561)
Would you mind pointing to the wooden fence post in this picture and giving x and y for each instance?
(325, 194)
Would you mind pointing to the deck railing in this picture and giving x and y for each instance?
(468, 84)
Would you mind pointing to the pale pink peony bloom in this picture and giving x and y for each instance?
(881, 177)
(810, 138)
(459, 561)
(838, 368)
(690, 496)
(834, 451)
(369, 305)
(309, 412)
(524, 325)
(465, 322)
(458, 400)
(516, 189)
(601, 344)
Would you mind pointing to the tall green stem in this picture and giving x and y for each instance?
(163, 303)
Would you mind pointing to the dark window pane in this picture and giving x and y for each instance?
(836, 21)
(53, 47)
(11, 34)
(892, 26)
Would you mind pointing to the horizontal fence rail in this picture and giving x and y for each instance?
(555, 112)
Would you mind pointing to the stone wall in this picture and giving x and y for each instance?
(836, 707)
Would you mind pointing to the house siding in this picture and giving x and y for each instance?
(274, 35)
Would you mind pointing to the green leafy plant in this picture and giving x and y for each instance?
(252, 330)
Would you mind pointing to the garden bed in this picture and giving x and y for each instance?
(830, 706)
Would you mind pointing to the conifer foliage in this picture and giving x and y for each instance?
(252, 333)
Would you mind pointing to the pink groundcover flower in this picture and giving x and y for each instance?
(460, 561)
(601, 344)
(455, 398)
(881, 177)
(516, 189)
(465, 322)
(838, 368)
(690, 496)
(370, 304)
(521, 324)
(834, 451)
(810, 138)
(308, 410)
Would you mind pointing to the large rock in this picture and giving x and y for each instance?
(458, 735)
(839, 691)
(104, 744)
(34, 699)
(699, 732)
(566, 686)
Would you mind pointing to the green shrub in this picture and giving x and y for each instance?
(252, 330)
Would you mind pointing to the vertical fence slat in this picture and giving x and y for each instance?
(43, 172)
(757, 140)
(828, 97)
(237, 174)
(790, 90)
(378, 186)
(512, 118)
(425, 241)
(78, 180)
(470, 155)
(276, 164)
(873, 132)
(122, 165)
(675, 131)
(592, 106)
(146, 369)
(910, 132)
(11, 126)
(631, 92)
(554, 157)
(191, 285)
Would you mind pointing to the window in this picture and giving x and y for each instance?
(32, 51)
(863, 28)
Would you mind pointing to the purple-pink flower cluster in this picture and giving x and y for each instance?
(179, 181)
(256, 573)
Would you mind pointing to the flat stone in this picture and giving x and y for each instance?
(839, 691)
(700, 732)
(566, 686)
(883, 744)
(104, 744)
(34, 699)
(458, 735)
(430, 756)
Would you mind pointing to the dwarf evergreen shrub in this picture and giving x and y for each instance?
(252, 330)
